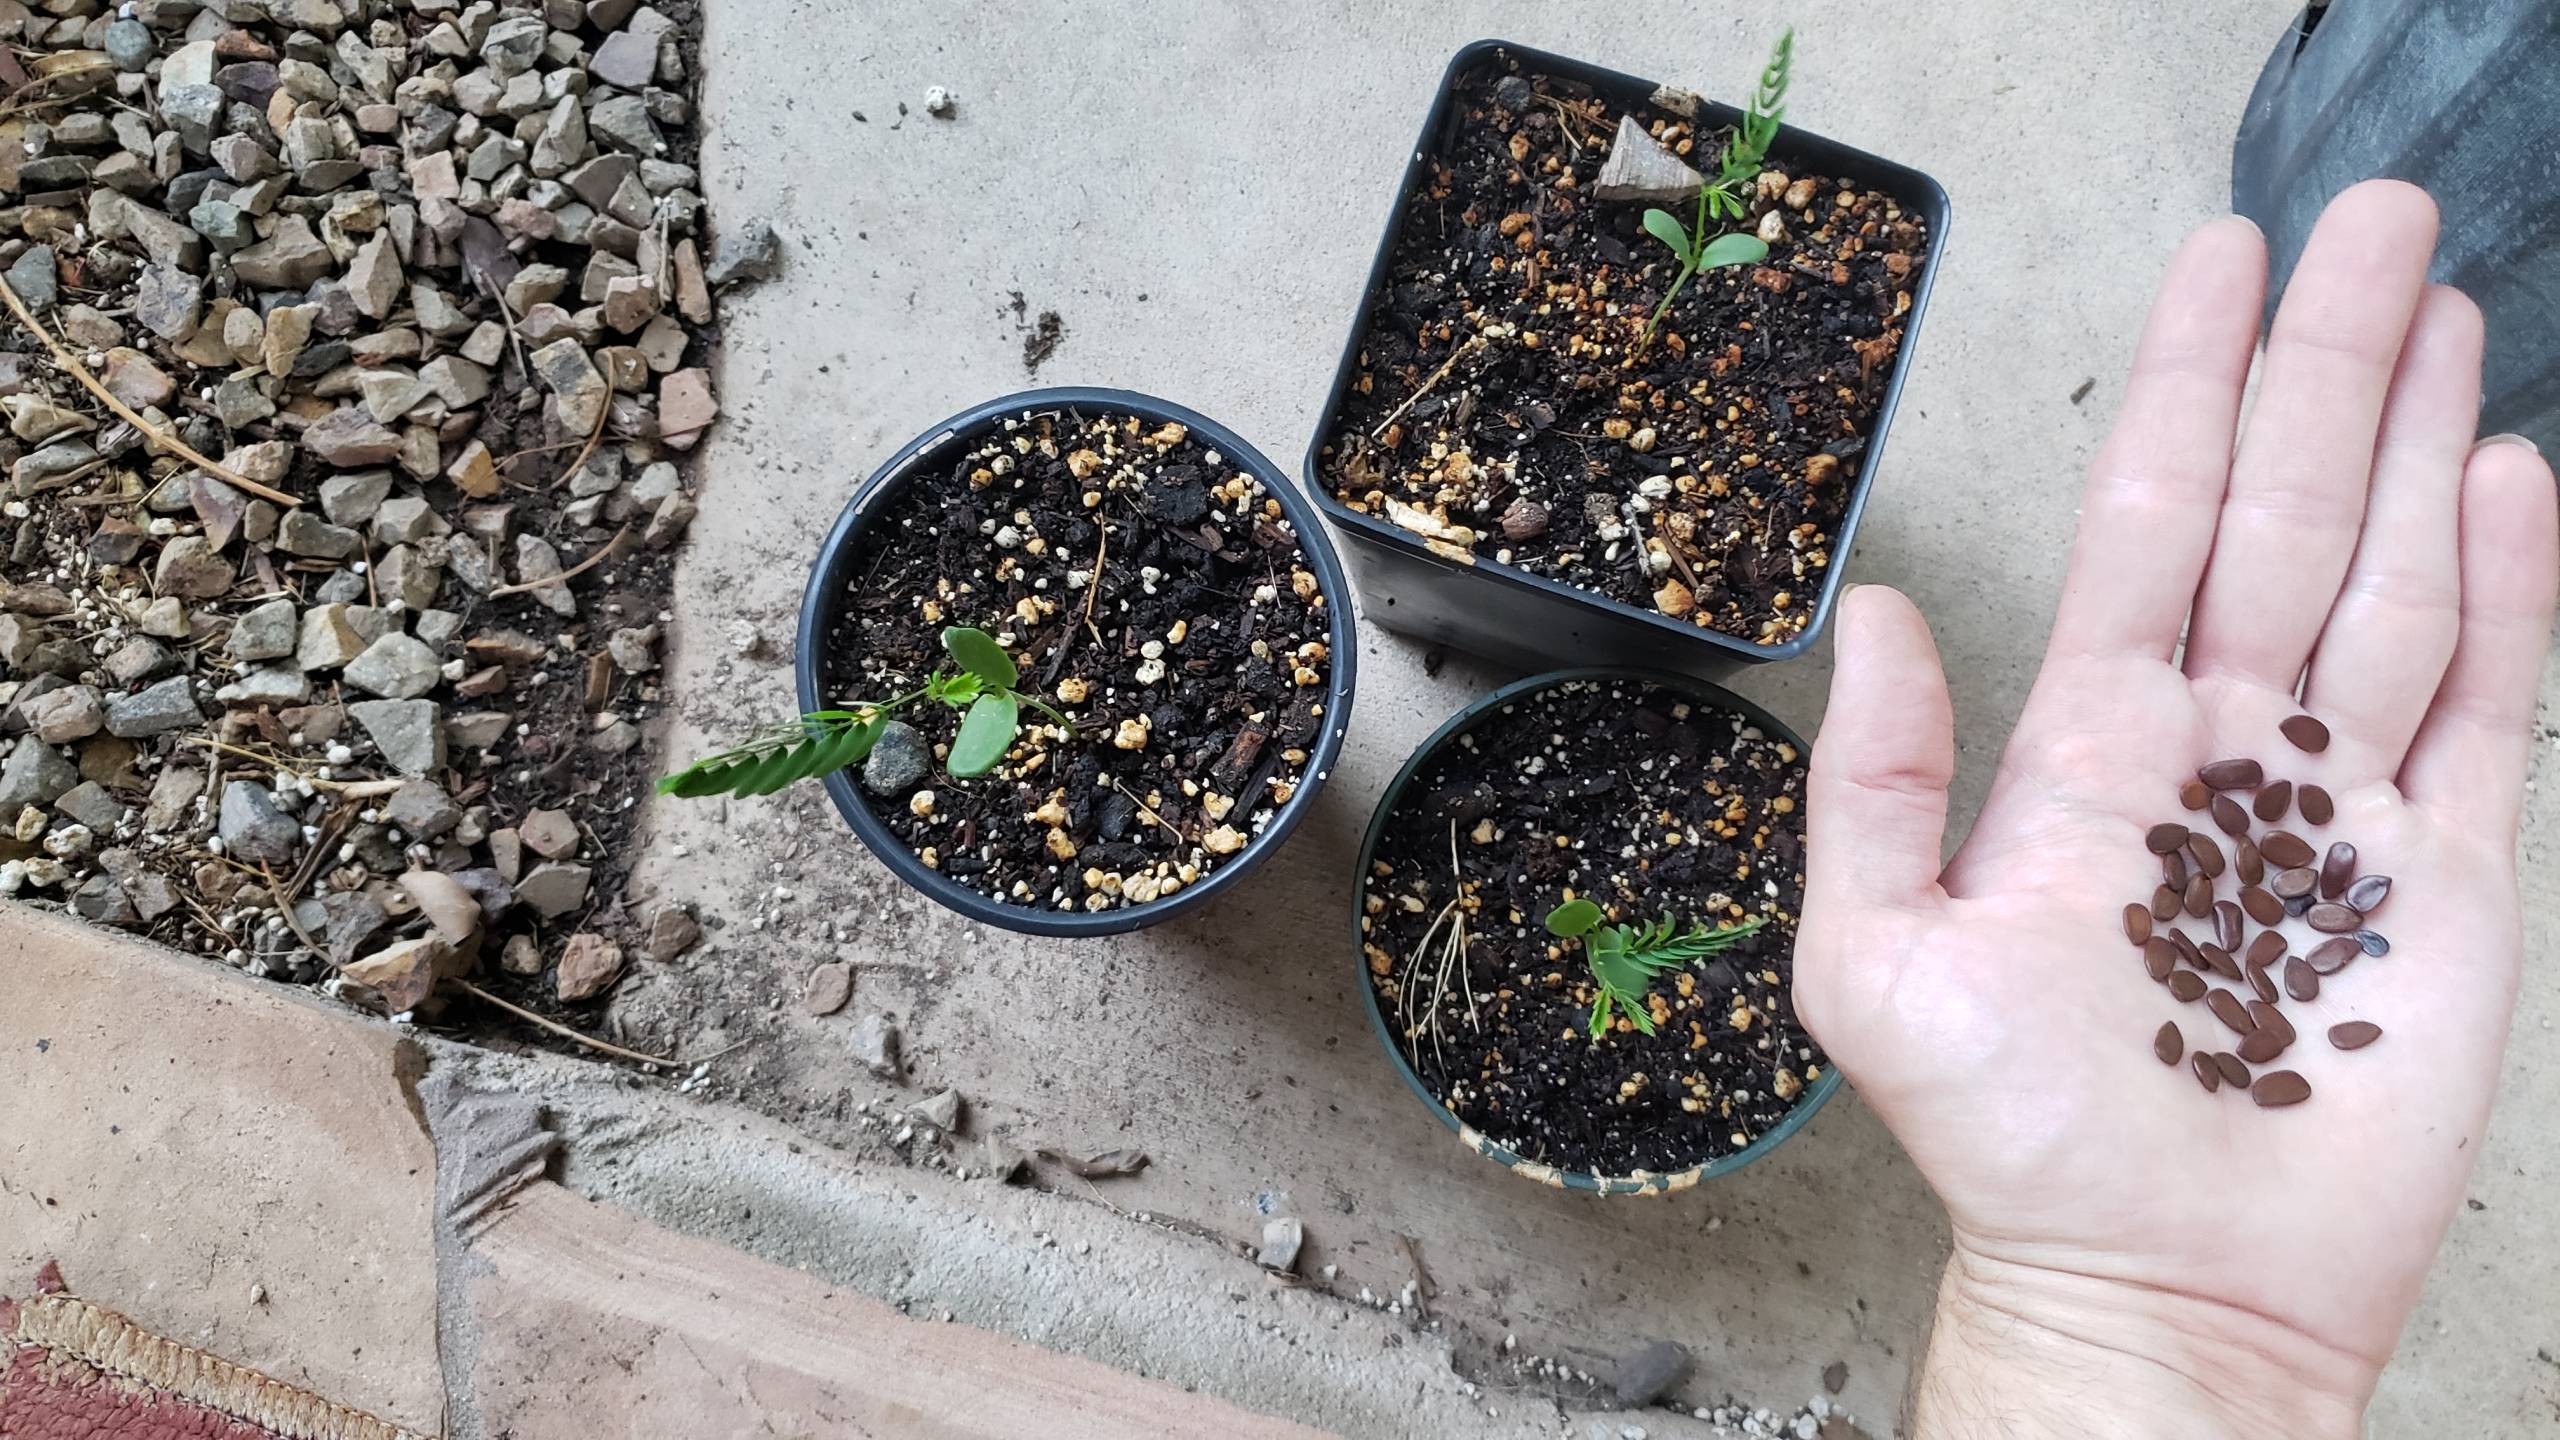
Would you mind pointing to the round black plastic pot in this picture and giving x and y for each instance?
(1643, 1182)
(827, 592)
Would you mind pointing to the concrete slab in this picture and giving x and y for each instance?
(1197, 191)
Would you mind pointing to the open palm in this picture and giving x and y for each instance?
(2354, 556)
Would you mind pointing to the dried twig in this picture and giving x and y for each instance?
(157, 436)
(556, 1028)
(351, 789)
(1423, 1289)
(1473, 342)
(604, 551)
(1143, 810)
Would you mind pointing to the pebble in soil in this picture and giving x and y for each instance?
(1627, 793)
(1703, 475)
(1154, 594)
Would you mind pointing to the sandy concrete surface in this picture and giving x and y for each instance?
(1197, 191)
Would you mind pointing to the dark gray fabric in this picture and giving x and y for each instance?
(2462, 97)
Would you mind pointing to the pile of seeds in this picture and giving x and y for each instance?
(2278, 876)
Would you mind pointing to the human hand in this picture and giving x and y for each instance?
(2133, 1255)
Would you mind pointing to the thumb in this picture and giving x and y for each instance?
(1876, 801)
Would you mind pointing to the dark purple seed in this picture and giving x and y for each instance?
(2308, 735)
(2372, 942)
(2232, 774)
(2226, 924)
(2206, 1075)
(2206, 854)
(2273, 801)
(2263, 907)
(2165, 837)
(2199, 896)
(2259, 1048)
(2261, 984)
(2137, 924)
(2300, 980)
(2331, 956)
(2331, 918)
(2168, 1044)
(2294, 883)
(2297, 906)
(2174, 867)
(2316, 806)
(2247, 863)
(2219, 961)
(2195, 794)
(2285, 850)
(2186, 986)
(2159, 957)
(2267, 948)
(2368, 892)
(2226, 1007)
(2337, 868)
(2164, 903)
(2228, 815)
(2234, 1074)
(2354, 1034)
(2282, 1087)
(2270, 1020)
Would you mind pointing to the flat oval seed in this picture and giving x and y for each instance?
(2174, 867)
(2331, 956)
(2368, 892)
(2206, 854)
(2219, 961)
(2372, 942)
(2337, 868)
(2206, 1075)
(2260, 1048)
(2165, 837)
(2195, 794)
(2228, 815)
(2295, 883)
(2234, 1074)
(2270, 1020)
(2316, 806)
(2168, 1044)
(2285, 850)
(2354, 1034)
(2137, 924)
(2261, 906)
(2164, 903)
(2247, 863)
(2261, 984)
(2200, 896)
(2331, 918)
(2281, 1087)
(2300, 980)
(2159, 957)
(2232, 774)
(2227, 924)
(2186, 986)
(2226, 1007)
(2308, 735)
(2267, 948)
(2273, 801)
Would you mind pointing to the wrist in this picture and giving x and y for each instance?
(2022, 1350)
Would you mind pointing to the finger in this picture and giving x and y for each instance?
(2468, 761)
(2296, 501)
(1876, 801)
(2147, 513)
(2393, 628)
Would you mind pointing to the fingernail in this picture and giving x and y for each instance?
(2508, 438)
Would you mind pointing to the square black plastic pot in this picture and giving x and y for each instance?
(1529, 621)
(834, 568)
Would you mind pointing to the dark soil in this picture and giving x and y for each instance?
(1622, 792)
(1703, 474)
(1151, 591)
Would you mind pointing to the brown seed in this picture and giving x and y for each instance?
(2186, 986)
(2206, 854)
(2206, 1075)
(2368, 892)
(2267, 948)
(2331, 956)
(2331, 918)
(2354, 1034)
(2263, 907)
(2137, 924)
(2300, 980)
(2164, 903)
(2226, 1007)
(2269, 1019)
(2174, 867)
(2159, 957)
(2228, 814)
(2280, 1087)
(2165, 837)
(2232, 774)
(2219, 961)
(2226, 924)
(2273, 800)
(2284, 849)
(2336, 869)
(2234, 1074)
(2199, 896)
(2260, 1048)
(2316, 806)
(2187, 949)
(2168, 1044)
(2295, 883)
(2247, 863)
(2308, 735)
(2195, 794)
(2261, 984)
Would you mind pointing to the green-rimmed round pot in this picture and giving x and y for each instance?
(1639, 1182)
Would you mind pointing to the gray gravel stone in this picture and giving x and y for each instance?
(267, 632)
(253, 829)
(898, 759)
(395, 667)
(169, 705)
(409, 733)
(34, 774)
